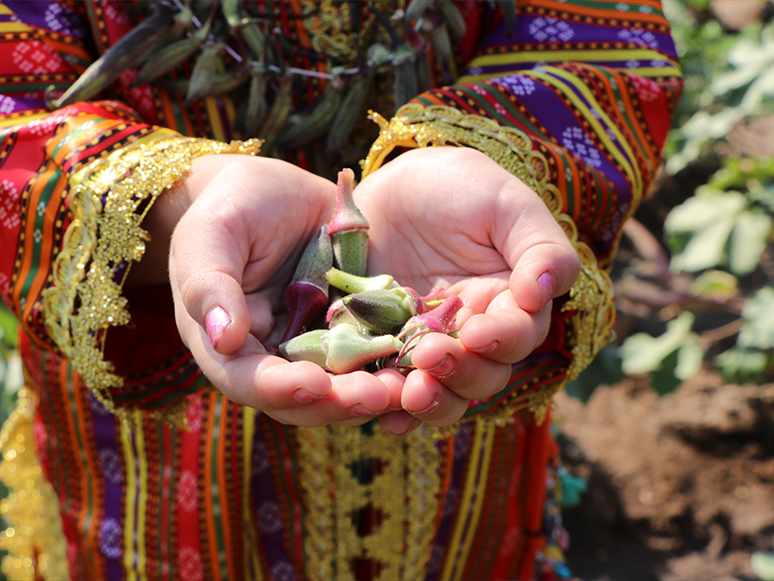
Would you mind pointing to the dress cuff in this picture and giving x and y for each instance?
(108, 200)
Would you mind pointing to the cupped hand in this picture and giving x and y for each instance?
(450, 218)
(233, 253)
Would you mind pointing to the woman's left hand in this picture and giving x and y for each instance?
(451, 218)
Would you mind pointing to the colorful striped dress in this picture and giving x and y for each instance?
(137, 468)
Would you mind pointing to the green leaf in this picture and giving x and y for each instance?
(702, 211)
(715, 284)
(763, 565)
(707, 248)
(742, 365)
(748, 240)
(641, 352)
(758, 315)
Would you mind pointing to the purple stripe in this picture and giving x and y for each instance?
(438, 556)
(108, 449)
(265, 497)
(51, 16)
(532, 29)
(510, 68)
(225, 123)
(10, 104)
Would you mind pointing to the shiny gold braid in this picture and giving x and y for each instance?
(591, 298)
(404, 492)
(35, 538)
(108, 201)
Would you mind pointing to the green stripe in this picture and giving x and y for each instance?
(132, 395)
(39, 222)
(628, 15)
(508, 106)
(215, 490)
(22, 87)
(508, 393)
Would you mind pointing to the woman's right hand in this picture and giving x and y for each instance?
(240, 226)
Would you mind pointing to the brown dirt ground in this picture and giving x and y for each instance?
(680, 487)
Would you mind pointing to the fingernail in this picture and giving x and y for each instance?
(547, 284)
(217, 321)
(359, 410)
(305, 397)
(444, 368)
(392, 408)
(488, 348)
(432, 407)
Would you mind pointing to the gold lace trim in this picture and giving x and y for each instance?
(35, 538)
(415, 125)
(404, 491)
(109, 199)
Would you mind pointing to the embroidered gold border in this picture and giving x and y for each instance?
(108, 200)
(591, 297)
(35, 538)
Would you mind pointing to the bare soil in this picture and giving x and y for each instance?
(679, 487)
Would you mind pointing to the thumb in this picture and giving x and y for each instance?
(543, 272)
(207, 259)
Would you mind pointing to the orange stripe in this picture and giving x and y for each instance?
(45, 253)
(649, 154)
(82, 139)
(606, 15)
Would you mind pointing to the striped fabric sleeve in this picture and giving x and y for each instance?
(576, 102)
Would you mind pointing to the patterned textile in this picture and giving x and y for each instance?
(577, 103)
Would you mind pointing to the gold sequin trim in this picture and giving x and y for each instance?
(591, 298)
(403, 489)
(108, 200)
(35, 538)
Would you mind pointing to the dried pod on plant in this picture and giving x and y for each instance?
(127, 52)
(317, 122)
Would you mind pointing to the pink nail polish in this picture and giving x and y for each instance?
(547, 284)
(217, 321)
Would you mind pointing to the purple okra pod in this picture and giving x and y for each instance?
(307, 295)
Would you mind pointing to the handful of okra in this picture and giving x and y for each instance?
(371, 322)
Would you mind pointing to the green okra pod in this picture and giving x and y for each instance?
(348, 228)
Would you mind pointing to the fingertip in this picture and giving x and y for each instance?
(227, 334)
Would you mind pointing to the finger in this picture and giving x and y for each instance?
(543, 261)
(207, 276)
(261, 306)
(505, 333)
(355, 398)
(467, 374)
(253, 378)
(428, 400)
(399, 423)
